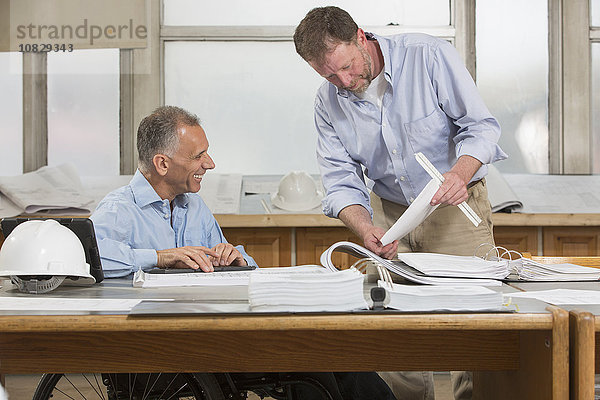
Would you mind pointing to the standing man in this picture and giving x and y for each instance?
(386, 99)
(159, 219)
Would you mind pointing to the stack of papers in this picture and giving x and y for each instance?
(404, 270)
(436, 264)
(560, 296)
(529, 270)
(438, 298)
(312, 291)
(230, 278)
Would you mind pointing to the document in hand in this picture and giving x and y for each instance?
(414, 214)
(407, 272)
(441, 298)
(312, 291)
(529, 270)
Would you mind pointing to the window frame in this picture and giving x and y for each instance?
(569, 98)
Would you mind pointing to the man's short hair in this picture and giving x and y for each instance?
(157, 133)
(321, 30)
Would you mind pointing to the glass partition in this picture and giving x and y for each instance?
(512, 76)
(268, 12)
(11, 113)
(83, 110)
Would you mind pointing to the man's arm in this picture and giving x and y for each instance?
(454, 189)
(358, 220)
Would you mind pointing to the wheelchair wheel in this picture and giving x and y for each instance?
(128, 386)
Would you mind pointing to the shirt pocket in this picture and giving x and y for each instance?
(429, 134)
(195, 237)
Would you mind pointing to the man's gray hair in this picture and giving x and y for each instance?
(157, 133)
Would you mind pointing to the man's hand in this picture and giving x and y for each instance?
(227, 254)
(454, 188)
(358, 219)
(193, 257)
(372, 242)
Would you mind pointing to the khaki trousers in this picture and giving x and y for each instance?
(447, 230)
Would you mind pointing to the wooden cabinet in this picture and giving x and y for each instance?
(270, 247)
(550, 240)
(312, 242)
(518, 238)
(571, 241)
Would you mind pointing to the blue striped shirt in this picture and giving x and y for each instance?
(132, 222)
(431, 105)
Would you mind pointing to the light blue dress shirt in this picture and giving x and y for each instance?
(132, 222)
(431, 105)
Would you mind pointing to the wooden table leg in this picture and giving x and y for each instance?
(544, 367)
(581, 354)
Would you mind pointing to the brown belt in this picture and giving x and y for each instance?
(470, 185)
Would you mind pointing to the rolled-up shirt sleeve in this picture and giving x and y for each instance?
(342, 176)
(478, 131)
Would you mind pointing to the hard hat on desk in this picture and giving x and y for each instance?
(297, 192)
(39, 255)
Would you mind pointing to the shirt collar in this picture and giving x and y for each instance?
(144, 194)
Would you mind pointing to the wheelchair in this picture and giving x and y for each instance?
(180, 386)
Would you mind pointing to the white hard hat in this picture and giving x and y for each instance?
(39, 255)
(297, 192)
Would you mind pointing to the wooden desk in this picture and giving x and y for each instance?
(519, 355)
(584, 338)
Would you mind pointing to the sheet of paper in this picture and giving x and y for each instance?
(222, 192)
(557, 193)
(66, 304)
(414, 215)
(8, 208)
(561, 296)
(48, 189)
(501, 195)
(253, 186)
(97, 187)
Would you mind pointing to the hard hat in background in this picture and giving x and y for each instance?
(297, 192)
(39, 255)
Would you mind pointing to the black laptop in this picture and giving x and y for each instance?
(82, 227)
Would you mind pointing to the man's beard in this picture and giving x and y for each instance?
(367, 73)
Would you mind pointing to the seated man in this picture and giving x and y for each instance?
(160, 220)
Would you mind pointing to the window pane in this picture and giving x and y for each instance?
(83, 110)
(11, 113)
(255, 100)
(596, 107)
(595, 13)
(268, 12)
(512, 75)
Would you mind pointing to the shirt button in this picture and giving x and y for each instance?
(394, 151)
(166, 216)
(383, 125)
(402, 178)
(411, 199)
